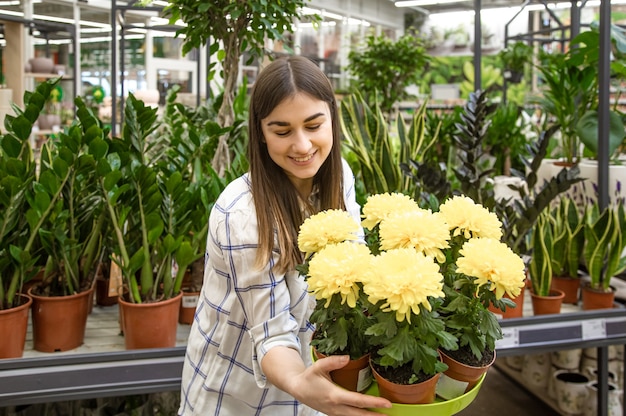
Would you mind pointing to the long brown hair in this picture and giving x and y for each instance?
(277, 203)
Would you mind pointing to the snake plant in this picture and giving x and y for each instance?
(381, 145)
(605, 241)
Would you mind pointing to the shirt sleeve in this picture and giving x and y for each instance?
(264, 295)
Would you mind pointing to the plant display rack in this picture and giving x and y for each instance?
(102, 367)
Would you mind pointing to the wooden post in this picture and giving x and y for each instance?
(13, 65)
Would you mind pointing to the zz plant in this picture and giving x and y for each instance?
(27, 198)
(148, 204)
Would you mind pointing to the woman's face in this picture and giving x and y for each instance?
(299, 137)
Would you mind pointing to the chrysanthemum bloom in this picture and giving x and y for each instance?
(380, 206)
(492, 262)
(469, 219)
(421, 230)
(337, 269)
(324, 228)
(403, 279)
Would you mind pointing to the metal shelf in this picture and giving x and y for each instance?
(103, 368)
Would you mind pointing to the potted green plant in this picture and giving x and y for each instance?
(603, 253)
(149, 205)
(566, 223)
(50, 117)
(26, 201)
(569, 91)
(71, 237)
(384, 68)
(545, 299)
(587, 52)
(192, 134)
(514, 59)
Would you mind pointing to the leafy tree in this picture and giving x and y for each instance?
(386, 67)
(231, 28)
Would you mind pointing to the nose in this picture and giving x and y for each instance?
(301, 142)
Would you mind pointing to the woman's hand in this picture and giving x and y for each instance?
(313, 387)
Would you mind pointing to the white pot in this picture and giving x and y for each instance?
(571, 391)
(501, 188)
(567, 359)
(536, 369)
(614, 403)
(616, 186)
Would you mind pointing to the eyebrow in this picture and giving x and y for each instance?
(284, 123)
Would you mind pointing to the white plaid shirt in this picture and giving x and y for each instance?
(242, 313)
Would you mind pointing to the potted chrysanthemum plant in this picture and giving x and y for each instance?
(336, 262)
(477, 269)
(405, 289)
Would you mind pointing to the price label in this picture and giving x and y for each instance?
(510, 338)
(594, 329)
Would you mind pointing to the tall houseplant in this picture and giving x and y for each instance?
(26, 201)
(384, 68)
(151, 207)
(225, 26)
(72, 238)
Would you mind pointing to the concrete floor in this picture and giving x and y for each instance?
(499, 395)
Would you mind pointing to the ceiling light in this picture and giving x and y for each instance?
(417, 3)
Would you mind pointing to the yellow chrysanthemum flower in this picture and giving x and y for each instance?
(421, 230)
(403, 279)
(469, 219)
(380, 206)
(336, 269)
(492, 262)
(324, 228)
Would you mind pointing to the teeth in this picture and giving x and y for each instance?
(303, 159)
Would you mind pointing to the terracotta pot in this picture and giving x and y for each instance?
(597, 299)
(59, 321)
(354, 376)
(515, 312)
(13, 325)
(188, 307)
(459, 378)
(569, 286)
(545, 305)
(419, 393)
(103, 294)
(150, 325)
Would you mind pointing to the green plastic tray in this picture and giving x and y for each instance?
(438, 408)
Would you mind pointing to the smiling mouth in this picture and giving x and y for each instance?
(304, 159)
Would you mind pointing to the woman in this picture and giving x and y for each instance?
(248, 350)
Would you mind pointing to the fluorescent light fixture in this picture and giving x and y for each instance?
(418, 3)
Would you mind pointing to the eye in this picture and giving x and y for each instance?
(314, 127)
(282, 133)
